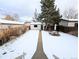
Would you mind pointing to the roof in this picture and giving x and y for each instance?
(9, 22)
(71, 20)
(36, 23)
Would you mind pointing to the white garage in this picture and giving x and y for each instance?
(35, 26)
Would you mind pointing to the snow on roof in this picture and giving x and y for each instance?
(71, 19)
(9, 22)
(33, 23)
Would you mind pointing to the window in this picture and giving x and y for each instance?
(35, 25)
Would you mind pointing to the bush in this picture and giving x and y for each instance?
(55, 33)
(9, 32)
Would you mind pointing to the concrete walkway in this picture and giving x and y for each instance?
(39, 54)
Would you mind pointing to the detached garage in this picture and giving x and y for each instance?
(35, 26)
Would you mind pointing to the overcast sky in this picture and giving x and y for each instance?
(27, 7)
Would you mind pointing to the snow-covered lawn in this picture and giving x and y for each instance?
(63, 46)
(24, 45)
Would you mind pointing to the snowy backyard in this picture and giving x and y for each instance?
(39, 29)
(62, 47)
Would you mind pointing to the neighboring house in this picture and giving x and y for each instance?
(35, 26)
(7, 24)
(69, 22)
(67, 25)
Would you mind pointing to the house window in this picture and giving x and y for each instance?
(35, 25)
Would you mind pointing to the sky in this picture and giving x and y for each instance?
(27, 7)
(21, 7)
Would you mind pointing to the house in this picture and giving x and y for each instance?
(35, 25)
(7, 24)
(69, 22)
(68, 25)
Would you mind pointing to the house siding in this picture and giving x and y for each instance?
(35, 28)
(71, 24)
(64, 23)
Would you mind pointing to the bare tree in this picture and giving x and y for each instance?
(8, 17)
(15, 17)
(35, 15)
(71, 14)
